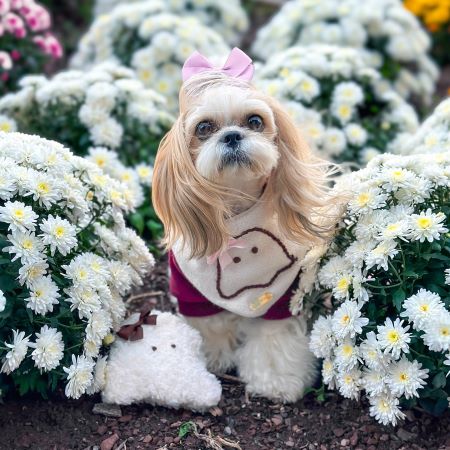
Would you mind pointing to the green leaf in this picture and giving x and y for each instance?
(185, 429)
(397, 297)
(440, 380)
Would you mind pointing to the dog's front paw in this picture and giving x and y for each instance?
(275, 361)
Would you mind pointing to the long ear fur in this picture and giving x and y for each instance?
(299, 185)
(190, 207)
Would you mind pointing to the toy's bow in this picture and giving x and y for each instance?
(238, 65)
(223, 256)
(134, 331)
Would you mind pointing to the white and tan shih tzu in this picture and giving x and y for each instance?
(237, 190)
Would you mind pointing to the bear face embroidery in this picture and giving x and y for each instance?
(256, 266)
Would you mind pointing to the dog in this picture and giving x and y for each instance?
(239, 194)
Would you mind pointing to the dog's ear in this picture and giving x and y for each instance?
(300, 182)
(190, 207)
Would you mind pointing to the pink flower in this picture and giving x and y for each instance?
(54, 48)
(5, 61)
(4, 7)
(37, 17)
(15, 55)
(14, 24)
(16, 4)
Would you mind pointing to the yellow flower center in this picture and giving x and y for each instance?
(100, 161)
(126, 177)
(38, 293)
(398, 175)
(424, 308)
(393, 227)
(347, 350)
(343, 284)
(144, 172)
(5, 126)
(404, 377)
(19, 214)
(393, 336)
(344, 111)
(43, 187)
(306, 86)
(445, 331)
(345, 319)
(82, 274)
(60, 231)
(284, 72)
(363, 199)
(27, 244)
(424, 223)
(348, 379)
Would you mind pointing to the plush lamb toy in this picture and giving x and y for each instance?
(157, 359)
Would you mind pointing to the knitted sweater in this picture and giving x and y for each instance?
(261, 272)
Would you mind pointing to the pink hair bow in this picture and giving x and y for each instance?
(223, 256)
(238, 65)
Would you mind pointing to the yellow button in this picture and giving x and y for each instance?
(261, 301)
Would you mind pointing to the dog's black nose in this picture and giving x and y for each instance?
(232, 138)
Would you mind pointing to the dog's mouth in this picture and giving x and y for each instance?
(234, 157)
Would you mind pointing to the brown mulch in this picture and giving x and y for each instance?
(238, 422)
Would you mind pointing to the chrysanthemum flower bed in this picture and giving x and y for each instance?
(105, 114)
(385, 279)
(391, 38)
(228, 18)
(26, 42)
(67, 259)
(433, 136)
(152, 41)
(338, 101)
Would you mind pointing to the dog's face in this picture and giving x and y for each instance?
(232, 132)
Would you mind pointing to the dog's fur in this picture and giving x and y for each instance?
(195, 190)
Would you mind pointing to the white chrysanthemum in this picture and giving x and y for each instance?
(2, 301)
(44, 294)
(84, 299)
(322, 340)
(48, 349)
(79, 376)
(381, 254)
(145, 173)
(348, 92)
(17, 352)
(395, 229)
(44, 189)
(374, 382)
(356, 134)
(347, 355)
(25, 246)
(332, 270)
(341, 288)
(18, 216)
(348, 321)
(334, 141)
(30, 272)
(98, 326)
(59, 234)
(423, 308)
(329, 373)
(385, 409)
(367, 200)
(370, 351)
(437, 333)
(427, 226)
(7, 183)
(406, 377)
(349, 383)
(99, 380)
(394, 337)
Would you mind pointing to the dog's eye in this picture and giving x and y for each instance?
(204, 129)
(255, 123)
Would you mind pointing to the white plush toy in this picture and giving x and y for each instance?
(158, 360)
